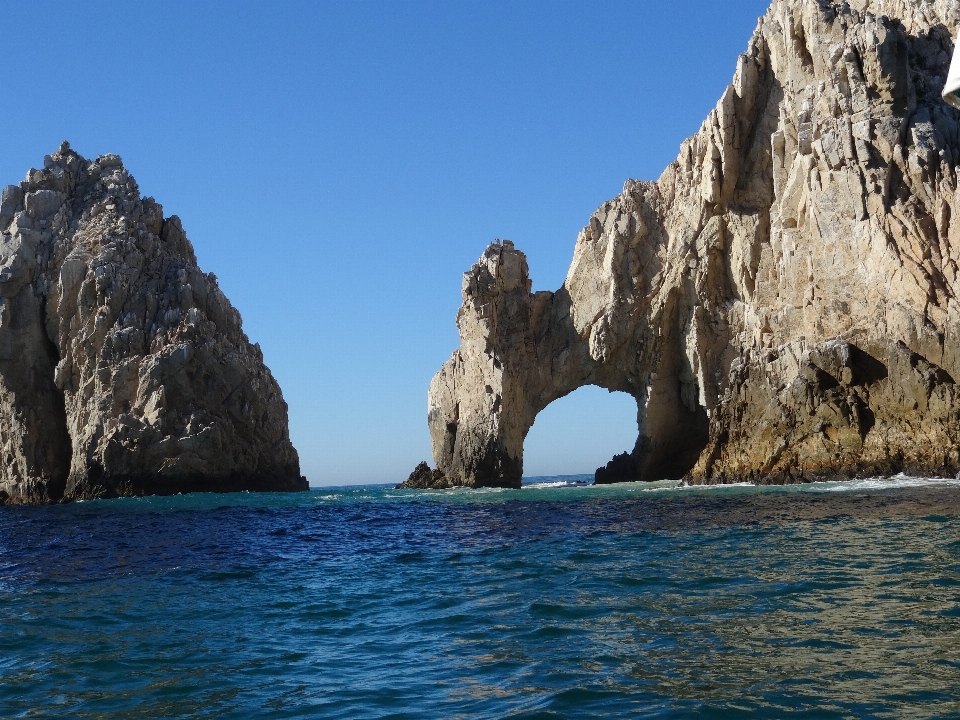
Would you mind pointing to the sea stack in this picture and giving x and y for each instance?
(124, 370)
(783, 303)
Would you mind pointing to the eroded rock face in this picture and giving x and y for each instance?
(124, 369)
(782, 302)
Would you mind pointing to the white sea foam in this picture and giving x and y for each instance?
(897, 481)
(716, 486)
(675, 485)
(585, 484)
(558, 484)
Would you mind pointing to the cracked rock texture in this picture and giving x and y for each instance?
(782, 302)
(124, 369)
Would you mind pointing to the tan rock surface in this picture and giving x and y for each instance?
(124, 370)
(782, 302)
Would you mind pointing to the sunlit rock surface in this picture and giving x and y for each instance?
(782, 302)
(124, 369)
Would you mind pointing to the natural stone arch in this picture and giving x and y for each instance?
(784, 300)
(521, 351)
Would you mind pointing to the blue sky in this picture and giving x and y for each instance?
(339, 165)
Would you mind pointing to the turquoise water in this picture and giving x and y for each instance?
(554, 601)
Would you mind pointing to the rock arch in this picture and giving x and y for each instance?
(521, 351)
(782, 302)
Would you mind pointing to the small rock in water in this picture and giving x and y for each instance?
(423, 478)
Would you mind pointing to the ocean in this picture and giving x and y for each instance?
(559, 600)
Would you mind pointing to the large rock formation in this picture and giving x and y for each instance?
(123, 368)
(782, 302)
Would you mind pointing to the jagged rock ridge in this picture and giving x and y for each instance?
(124, 370)
(782, 302)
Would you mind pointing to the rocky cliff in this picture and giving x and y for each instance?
(782, 302)
(124, 369)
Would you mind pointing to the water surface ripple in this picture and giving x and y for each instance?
(554, 601)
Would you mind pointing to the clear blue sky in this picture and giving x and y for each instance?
(338, 165)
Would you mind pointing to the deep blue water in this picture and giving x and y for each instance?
(822, 601)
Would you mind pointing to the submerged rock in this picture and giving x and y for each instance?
(782, 302)
(124, 369)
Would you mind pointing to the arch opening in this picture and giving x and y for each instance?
(580, 432)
